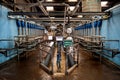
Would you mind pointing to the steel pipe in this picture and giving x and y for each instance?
(71, 69)
(56, 13)
(45, 68)
(35, 4)
(58, 19)
(76, 7)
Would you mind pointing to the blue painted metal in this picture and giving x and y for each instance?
(8, 29)
(85, 26)
(89, 25)
(18, 23)
(28, 25)
(95, 24)
(111, 30)
(99, 23)
(22, 24)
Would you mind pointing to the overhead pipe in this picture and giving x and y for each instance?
(64, 21)
(66, 5)
(76, 7)
(42, 8)
(59, 19)
(113, 8)
(36, 4)
(56, 13)
(91, 13)
(55, 4)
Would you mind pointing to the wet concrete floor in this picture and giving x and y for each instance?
(89, 69)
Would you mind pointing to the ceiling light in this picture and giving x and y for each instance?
(49, 0)
(104, 3)
(72, 0)
(72, 8)
(50, 8)
(52, 17)
(69, 17)
(80, 16)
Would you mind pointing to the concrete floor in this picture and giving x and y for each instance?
(88, 69)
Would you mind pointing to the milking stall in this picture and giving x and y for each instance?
(59, 40)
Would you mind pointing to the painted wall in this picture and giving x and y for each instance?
(111, 31)
(8, 30)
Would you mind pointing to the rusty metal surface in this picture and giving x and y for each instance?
(88, 69)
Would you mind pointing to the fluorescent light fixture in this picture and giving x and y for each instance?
(69, 17)
(49, 0)
(53, 27)
(50, 8)
(72, 0)
(45, 31)
(104, 3)
(72, 8)
(80, 16)
(50, 37)
(52, 17)
(59, 38)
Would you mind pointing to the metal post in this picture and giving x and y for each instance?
(93, 29)
(66, 61)
(52, 58)
(18, 55)
(64, 22)
(78, 54)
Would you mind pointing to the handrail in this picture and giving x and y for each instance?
(43, 50)
(110, 40)
(45, 45)
(7, 40)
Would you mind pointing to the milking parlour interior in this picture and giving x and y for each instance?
(59, 40)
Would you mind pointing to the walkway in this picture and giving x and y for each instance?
(62, 64)
(88, 69)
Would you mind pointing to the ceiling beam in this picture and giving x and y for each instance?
(56, 13)
(76, 8)
(35, 4)
(57, 19)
